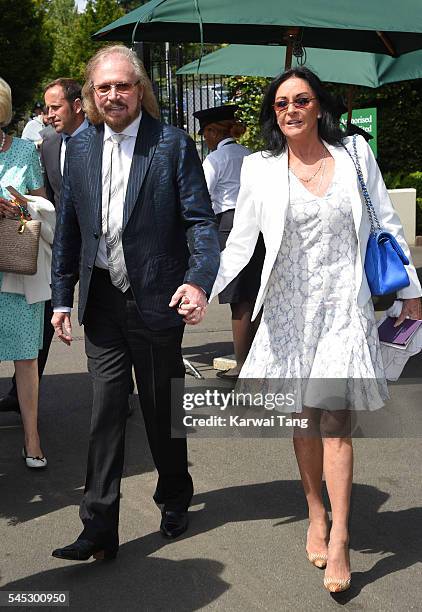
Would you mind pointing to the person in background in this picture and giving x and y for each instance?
(32, 130)
(22, 297)
(48, 129)
(318, 335)
(63, 103)
(63, 99)
(222, 169)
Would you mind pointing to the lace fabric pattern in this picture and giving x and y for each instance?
(312, 326)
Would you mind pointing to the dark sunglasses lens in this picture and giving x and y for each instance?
(302, 102)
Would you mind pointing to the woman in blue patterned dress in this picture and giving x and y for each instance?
(22, 298)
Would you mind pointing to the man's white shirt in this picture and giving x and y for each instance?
(127, 150)
(222, 173)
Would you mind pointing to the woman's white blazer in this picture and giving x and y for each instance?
(263, 202)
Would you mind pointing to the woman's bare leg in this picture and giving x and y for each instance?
(338, 470)
(309, 454)
(27, 387)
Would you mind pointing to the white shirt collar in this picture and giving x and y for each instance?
(223, 142)
(130, 130)
(82, 127)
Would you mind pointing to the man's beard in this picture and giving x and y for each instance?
(118, 124)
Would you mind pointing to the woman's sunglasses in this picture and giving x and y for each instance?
(282, 105)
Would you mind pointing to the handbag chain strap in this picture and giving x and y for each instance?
(373, 219)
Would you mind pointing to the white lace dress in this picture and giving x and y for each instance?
(312, 327)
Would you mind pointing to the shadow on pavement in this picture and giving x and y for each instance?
(206, 353)
(397, 535)
(133, 582)
(65, 411)
(137, 580)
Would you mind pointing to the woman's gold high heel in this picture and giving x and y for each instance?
(318, 559)
(337, 585)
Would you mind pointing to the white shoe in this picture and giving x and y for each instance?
(34, 462)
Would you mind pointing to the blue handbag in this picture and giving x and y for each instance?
(385, 260)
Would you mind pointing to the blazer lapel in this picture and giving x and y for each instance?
(276, 200)
(146, 143)
(95, 179)
(54, 157)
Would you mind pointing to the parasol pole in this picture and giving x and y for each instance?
(350, 92)
(289, 38)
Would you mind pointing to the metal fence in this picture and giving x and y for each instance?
(180, 96)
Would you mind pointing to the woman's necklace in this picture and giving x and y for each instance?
(322, 175)
(3, 140)
(308, 180)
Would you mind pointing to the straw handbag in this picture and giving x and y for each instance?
(19, 244)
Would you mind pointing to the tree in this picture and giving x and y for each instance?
(399, 117)
(130, 5)
(24, 52)
(60, 23)
(97, 14)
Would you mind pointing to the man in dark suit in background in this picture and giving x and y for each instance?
(63, 98)
(134, 197)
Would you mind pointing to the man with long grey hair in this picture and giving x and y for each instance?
(134, 197)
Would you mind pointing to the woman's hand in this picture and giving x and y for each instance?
(9, 210)
(412, 309)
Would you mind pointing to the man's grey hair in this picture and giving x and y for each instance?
(149, 101)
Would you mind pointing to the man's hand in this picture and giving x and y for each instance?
(412, 309)
(191, 303)
(62, 326)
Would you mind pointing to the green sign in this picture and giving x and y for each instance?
(366, 119)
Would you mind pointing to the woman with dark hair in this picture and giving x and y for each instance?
(318, 321)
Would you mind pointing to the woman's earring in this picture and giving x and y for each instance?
(319, 116)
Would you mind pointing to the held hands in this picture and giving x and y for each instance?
(412, 309)
(62, 326)
(190, 302)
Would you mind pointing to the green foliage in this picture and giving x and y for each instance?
(130, 5)
(401, 180)
(399, 117)
(247, 93)
(24, 51)
(97, 14)
(399, 120)
(71, 34)
(60, 23)
(419, 216)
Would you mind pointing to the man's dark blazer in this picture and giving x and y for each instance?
(167, 207)
(50, 159)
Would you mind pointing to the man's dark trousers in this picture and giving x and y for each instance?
(116, 338)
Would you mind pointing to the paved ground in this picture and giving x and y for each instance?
(245, 548)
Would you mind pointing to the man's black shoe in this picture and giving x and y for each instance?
(173, 523)
(9, 403)
(82, 550)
